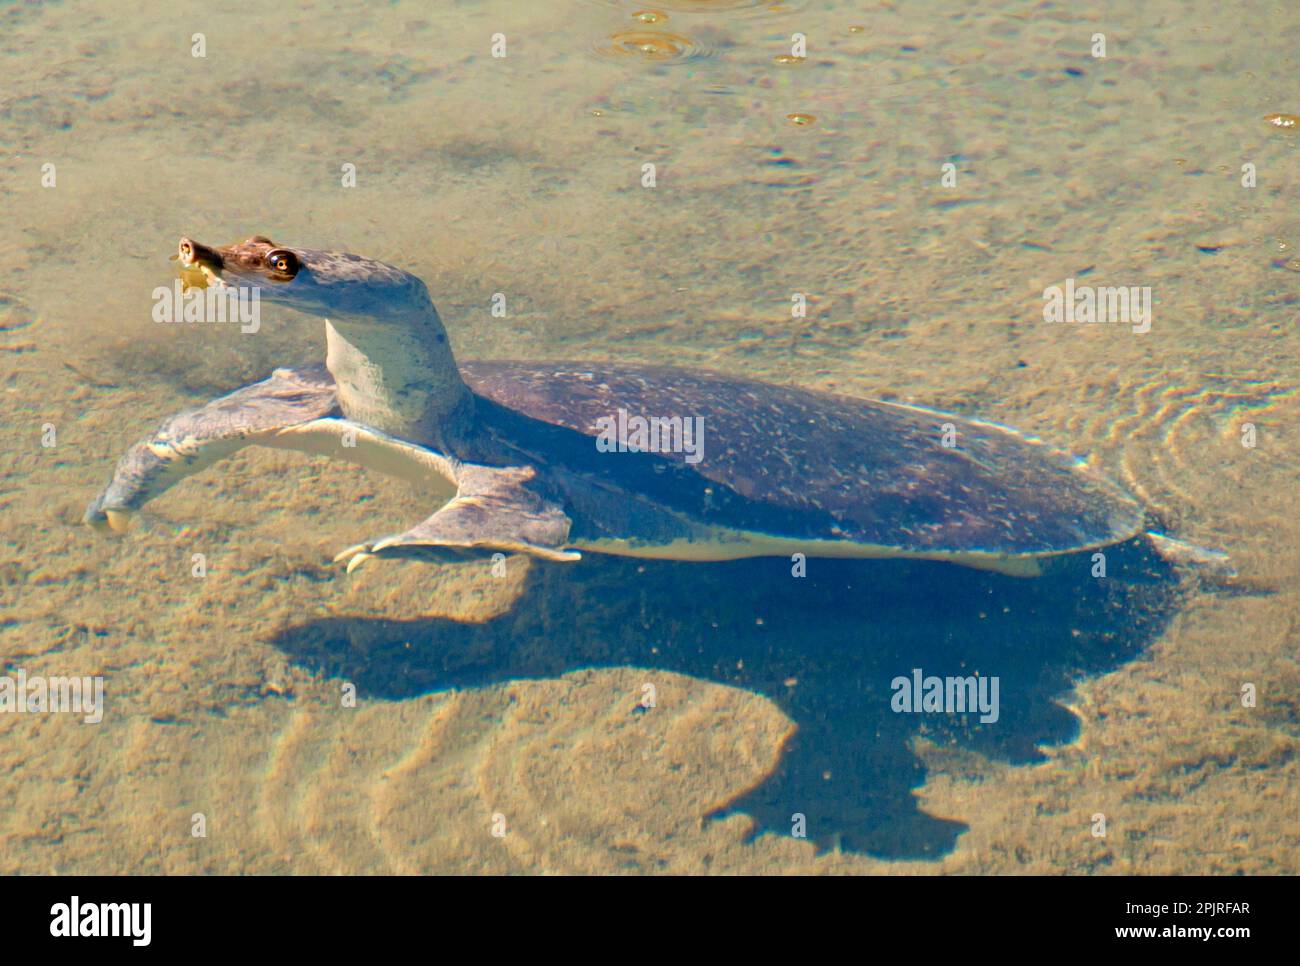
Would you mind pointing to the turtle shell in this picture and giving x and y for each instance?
(808, 465)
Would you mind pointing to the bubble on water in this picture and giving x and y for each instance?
(650, 16)
(750, 7)
(651, 46)
(1289, 122)
(801, 119)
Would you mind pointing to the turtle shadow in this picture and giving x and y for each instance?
(827, 648)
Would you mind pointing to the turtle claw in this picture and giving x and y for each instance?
(351, 552)
(394, 548)
(115, 520)
(355, 556)
(119, 521)
(358, 560)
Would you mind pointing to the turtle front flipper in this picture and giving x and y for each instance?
(191, 441)
(494, 510)
(290, 410)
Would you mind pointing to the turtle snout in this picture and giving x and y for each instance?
(191, 253)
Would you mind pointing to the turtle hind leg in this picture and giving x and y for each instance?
(1210, 568)
(1202, 561)
(494, 511)
(193, 440)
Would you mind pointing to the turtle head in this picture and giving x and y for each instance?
(384, 343)
(332, 284)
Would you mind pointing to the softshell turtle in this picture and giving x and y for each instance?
(553, 459)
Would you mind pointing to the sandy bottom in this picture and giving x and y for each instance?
(514, 703)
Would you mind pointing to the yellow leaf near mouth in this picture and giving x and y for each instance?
(193, 277)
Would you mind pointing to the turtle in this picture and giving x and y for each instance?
(557, 459)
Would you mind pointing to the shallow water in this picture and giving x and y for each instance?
(486, 703)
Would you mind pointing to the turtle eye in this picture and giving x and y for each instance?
(283, 262)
